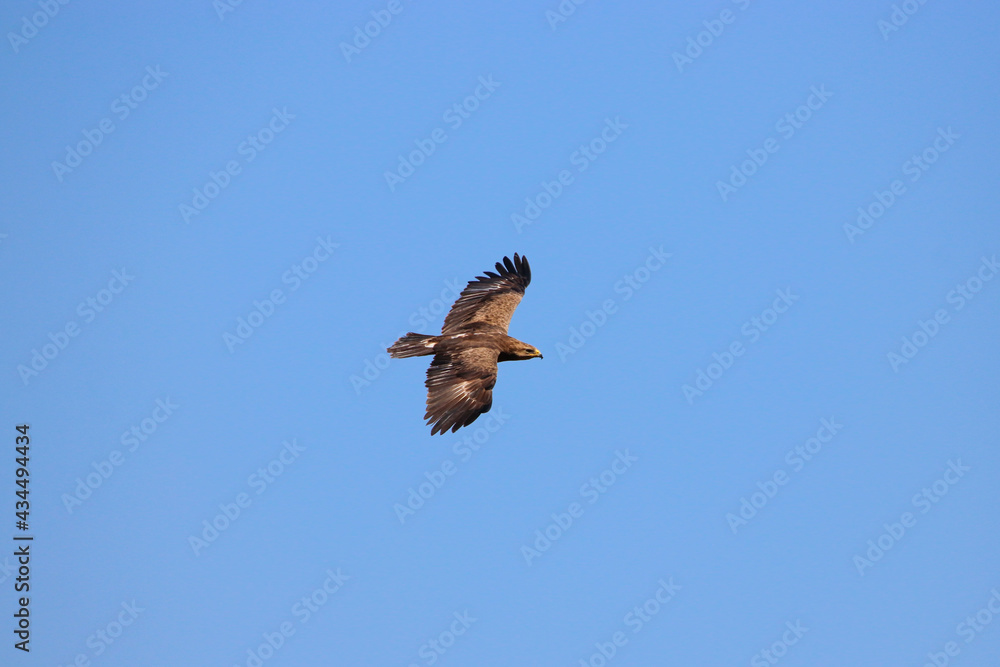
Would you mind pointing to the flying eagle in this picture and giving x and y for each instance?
(473, 340)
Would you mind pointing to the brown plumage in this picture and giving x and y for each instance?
(473, 340)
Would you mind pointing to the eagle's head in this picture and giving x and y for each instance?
(528, 352)
(518, 351)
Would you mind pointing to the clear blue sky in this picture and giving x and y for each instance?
(765, 427)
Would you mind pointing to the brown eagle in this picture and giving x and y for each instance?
(473, 340)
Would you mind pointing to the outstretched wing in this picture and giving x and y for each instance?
(459, 387)
(490, 299)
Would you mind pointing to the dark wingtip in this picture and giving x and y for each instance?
(522, 267)
(518, 267)
(441, 428)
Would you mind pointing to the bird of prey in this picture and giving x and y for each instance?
(473, 340)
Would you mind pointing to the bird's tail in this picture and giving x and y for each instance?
(413, 345)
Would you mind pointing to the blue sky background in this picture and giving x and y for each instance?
(300, 377)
